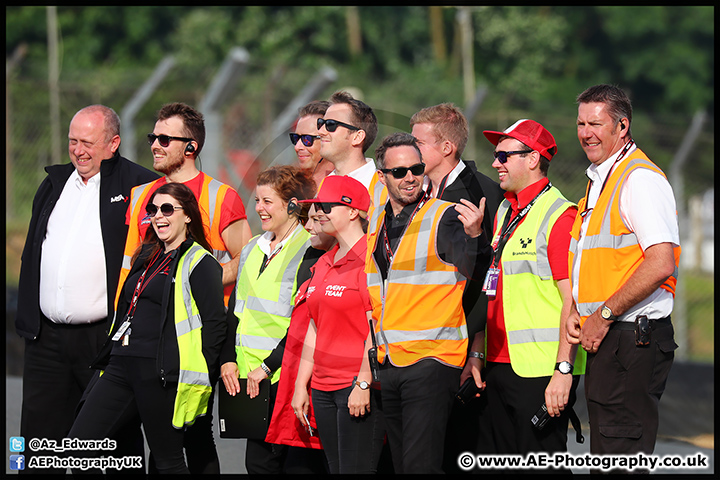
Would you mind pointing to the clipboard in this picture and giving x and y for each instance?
(241, 416)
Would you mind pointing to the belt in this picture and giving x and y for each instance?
(631, 325)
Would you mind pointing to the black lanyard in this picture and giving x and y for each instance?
(507, 230)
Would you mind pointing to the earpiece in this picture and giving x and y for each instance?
(622, 126)
(293, 207)
(190, 148)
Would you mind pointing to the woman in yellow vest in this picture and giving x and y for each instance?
(259, 311)
(160, 358)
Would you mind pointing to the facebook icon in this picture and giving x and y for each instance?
(17, 462)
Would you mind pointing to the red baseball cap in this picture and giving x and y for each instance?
(529, 132)
(342, 189)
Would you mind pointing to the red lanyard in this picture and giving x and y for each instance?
(388, 250)
(142, 283)
(587, 190)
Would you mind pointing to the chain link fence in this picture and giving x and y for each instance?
(249, 145)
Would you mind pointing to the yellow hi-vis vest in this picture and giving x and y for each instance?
(264, 303)
(531, 300)
(418, 313)
(210, 202)
(194, 387)
(611, 252)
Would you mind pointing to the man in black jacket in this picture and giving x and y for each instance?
(70, 269)
(442, 133)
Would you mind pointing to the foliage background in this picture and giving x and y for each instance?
(533, 62)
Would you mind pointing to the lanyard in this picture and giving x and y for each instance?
(507, 230)
(441, 187)
(388, 250)
(587, 189)
(142, 283)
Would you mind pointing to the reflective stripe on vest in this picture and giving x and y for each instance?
(194, 387)
(418, 314)
(609, 241)
(532, 302)
(137, 200)
(263, 305)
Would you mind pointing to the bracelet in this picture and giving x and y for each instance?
(479, 355)
(265, 368)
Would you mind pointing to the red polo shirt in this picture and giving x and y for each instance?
(338, 301)
(558, 247)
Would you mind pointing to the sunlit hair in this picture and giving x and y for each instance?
(195, 229)
(362, 116)
(290, 181)
(397, 139)
(193, 121)
(448, 123)
(617, 102)
(316, 107)
(111, 126)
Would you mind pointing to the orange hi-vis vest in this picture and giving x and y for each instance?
(378, 196)
(211, 199)
(611, 252)
(418, 310)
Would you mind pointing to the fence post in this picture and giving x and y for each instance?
(129, 111)
(680, 321)
(230, 72)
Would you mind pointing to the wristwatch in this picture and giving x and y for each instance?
(564, 367)
(607, 314)
(479, 355)
(363, 385)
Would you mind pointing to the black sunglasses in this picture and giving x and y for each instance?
(326, 207)
(400, 172)
(167, 209)
(307, 140)
(164, 140)
(331, 125)
(503, 156)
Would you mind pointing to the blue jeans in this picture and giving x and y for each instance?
(351, 444)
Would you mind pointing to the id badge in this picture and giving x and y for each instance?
(121, 330)
(491, 280)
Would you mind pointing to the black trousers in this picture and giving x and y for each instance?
(56, 373)
(128, 388)
(351, 444)
(416, 403)
(262, 457)
(512, 402)
(623, 386)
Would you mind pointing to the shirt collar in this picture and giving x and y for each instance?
(525, 196)
(267, 237)
(598, 173)
(93, 181)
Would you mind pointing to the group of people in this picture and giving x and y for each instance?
(377, 290)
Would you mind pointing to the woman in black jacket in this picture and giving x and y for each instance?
(161, 357)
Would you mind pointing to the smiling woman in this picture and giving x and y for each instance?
(160, 360)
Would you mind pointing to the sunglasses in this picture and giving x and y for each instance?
(167, 209)
(164, 140)
(502, 157)
(400, 172)
(326, 207)
(331, 125)
(307, 140)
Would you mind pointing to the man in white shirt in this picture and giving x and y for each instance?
(624, 260)
(347, 130)
(70, 269)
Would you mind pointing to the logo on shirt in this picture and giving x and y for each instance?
(525, 242)
(334, 290)
(118, 198)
